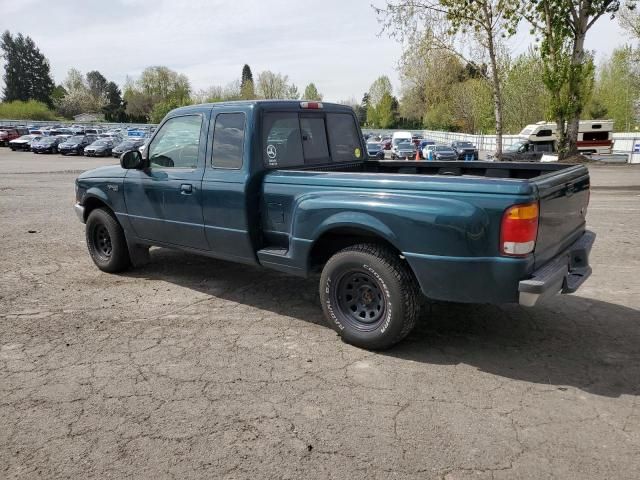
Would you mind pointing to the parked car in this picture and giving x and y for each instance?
(405, 149)
(439, 152)
(386, 143)
(423, 144)
(127, 145)
(464, 150)
(60, 131)
(379, 232)
(46, 145)
(76, 144)
(11, 133)
(23, 143)
(526, 151)
(375, 150)
(100, 148)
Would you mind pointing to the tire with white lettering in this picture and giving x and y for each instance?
(106, 241)
(369, 296)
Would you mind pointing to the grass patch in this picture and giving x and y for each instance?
(30, 110)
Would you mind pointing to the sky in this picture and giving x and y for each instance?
(334, 43)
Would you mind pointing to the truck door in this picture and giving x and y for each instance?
(164, 201)
(229, 196)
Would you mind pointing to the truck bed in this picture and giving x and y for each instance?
(514, 170)
(432, 195)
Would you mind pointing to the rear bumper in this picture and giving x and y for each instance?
(501, 279)
(564, 274)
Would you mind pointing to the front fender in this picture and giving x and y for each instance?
(108, 191)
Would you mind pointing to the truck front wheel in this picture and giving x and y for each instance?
(369, 296)
(106, 241)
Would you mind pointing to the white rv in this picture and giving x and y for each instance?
(594, 136)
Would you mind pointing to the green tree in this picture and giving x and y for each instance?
(562, 26)
(617, 88)
(378, 88)
(74, 80)
(272, 85)
(526, 99)
(311, 93)
(27, 75)
(597, 109)
(378, 114)
(630, 21)
(450, 25)
(115, 109)
(157, 86)
(97, 84)
(472, 106)
(163, 84)
(78, 98)
(247, 76)
(247, 90)
(384, 111)
(292, 92)
(58, 93)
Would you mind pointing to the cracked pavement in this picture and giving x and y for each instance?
(198, 368)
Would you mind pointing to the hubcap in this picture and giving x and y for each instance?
(360, 298)
(102, 241)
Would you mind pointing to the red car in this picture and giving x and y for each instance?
(386, 143)
(11, 133)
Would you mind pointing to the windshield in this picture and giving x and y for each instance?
(465, 144)
(76, 139)
(405, 144)
(373, 145)
(100, 143)
(25, 137)
(443, 149)
(515, 147)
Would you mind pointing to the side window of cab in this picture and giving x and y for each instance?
(177, 143)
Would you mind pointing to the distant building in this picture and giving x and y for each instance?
(89, 117)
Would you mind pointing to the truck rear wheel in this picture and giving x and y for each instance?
(369, 296)
(106, 242)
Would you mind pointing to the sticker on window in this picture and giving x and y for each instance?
(272, 153)
(357, 152)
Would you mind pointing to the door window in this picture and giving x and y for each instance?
(177, 143)
(281, 140)
(228, 140)
(314, 140)
(344, 138)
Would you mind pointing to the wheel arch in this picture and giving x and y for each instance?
(91, 202)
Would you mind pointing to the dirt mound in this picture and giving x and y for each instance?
(577, 159)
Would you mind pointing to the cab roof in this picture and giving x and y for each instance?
(295, 105)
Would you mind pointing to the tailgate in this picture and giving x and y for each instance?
(564, 196)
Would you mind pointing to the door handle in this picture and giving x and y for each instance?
(186, 189)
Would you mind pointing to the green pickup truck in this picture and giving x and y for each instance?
(287, 185)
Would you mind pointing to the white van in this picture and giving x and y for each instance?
(397, 136)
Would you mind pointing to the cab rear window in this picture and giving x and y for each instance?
(293, 139)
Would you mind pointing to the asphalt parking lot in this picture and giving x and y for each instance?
(197, 368)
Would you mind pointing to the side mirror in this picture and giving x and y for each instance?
(131, 160)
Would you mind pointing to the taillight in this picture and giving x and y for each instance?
(519, 230)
